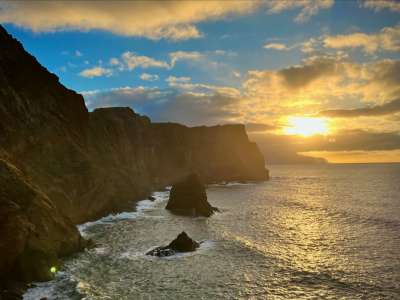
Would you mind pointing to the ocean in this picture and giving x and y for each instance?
(311, 232)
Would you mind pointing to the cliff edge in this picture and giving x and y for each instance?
(61, 165)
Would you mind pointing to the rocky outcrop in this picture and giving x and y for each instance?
(74, 166)
(182, 243)
(189, 197)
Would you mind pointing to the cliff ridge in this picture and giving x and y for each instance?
(61, 165)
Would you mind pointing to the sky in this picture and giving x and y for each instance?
(307, 78)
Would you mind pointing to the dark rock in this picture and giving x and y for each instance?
(183, 243)
(151, 198)
(12, 290)
(189, 197)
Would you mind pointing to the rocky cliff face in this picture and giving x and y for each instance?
(61, 165)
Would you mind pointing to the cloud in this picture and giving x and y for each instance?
(114, 61)
(183, 85)
(95, 72)
(173, 79)
(308, 8)
(236, 74)
(309, 46)
(276, 46)
(322, 81)
(387, 39)
(149, 77)
(183, 55)
(379, 5)
(378, 110)
(301, 76)
(132, 61)
(225, 53)
(172, 20)
(168, 105)
(129, 61)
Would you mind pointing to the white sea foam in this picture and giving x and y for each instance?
(49, 289)
(141, 207)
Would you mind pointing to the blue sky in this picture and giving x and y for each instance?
(211, 62)
(243, 35)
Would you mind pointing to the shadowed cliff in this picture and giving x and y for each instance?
(68, 166)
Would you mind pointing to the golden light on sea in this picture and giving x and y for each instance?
(306, 126)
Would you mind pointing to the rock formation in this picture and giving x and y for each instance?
(61, 165)
(182, 243)
(189, 197)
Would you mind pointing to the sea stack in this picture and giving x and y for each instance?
(189, 197)
(182, 243)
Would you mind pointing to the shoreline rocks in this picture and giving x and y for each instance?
(182, 243)
(189, 197)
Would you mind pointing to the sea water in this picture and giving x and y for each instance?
(311, 232)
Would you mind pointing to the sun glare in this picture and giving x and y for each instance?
(306, 126)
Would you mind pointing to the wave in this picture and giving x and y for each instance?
(139, 210)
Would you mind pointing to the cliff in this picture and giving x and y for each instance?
(61, 165)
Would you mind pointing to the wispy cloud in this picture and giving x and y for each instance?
(129, 61)
(184, 55)
(379, 5)
(387, 39)
(391, 107)
(173, 79)
(308, 8)
(277, 46)
(149, 77)
(96, 72)
(133, 61)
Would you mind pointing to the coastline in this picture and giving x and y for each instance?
(71, 166)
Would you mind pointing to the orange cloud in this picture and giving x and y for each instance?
(387, 39)
(152, 19)
(174, 20)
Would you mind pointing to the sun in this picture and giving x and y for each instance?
(306, 126)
